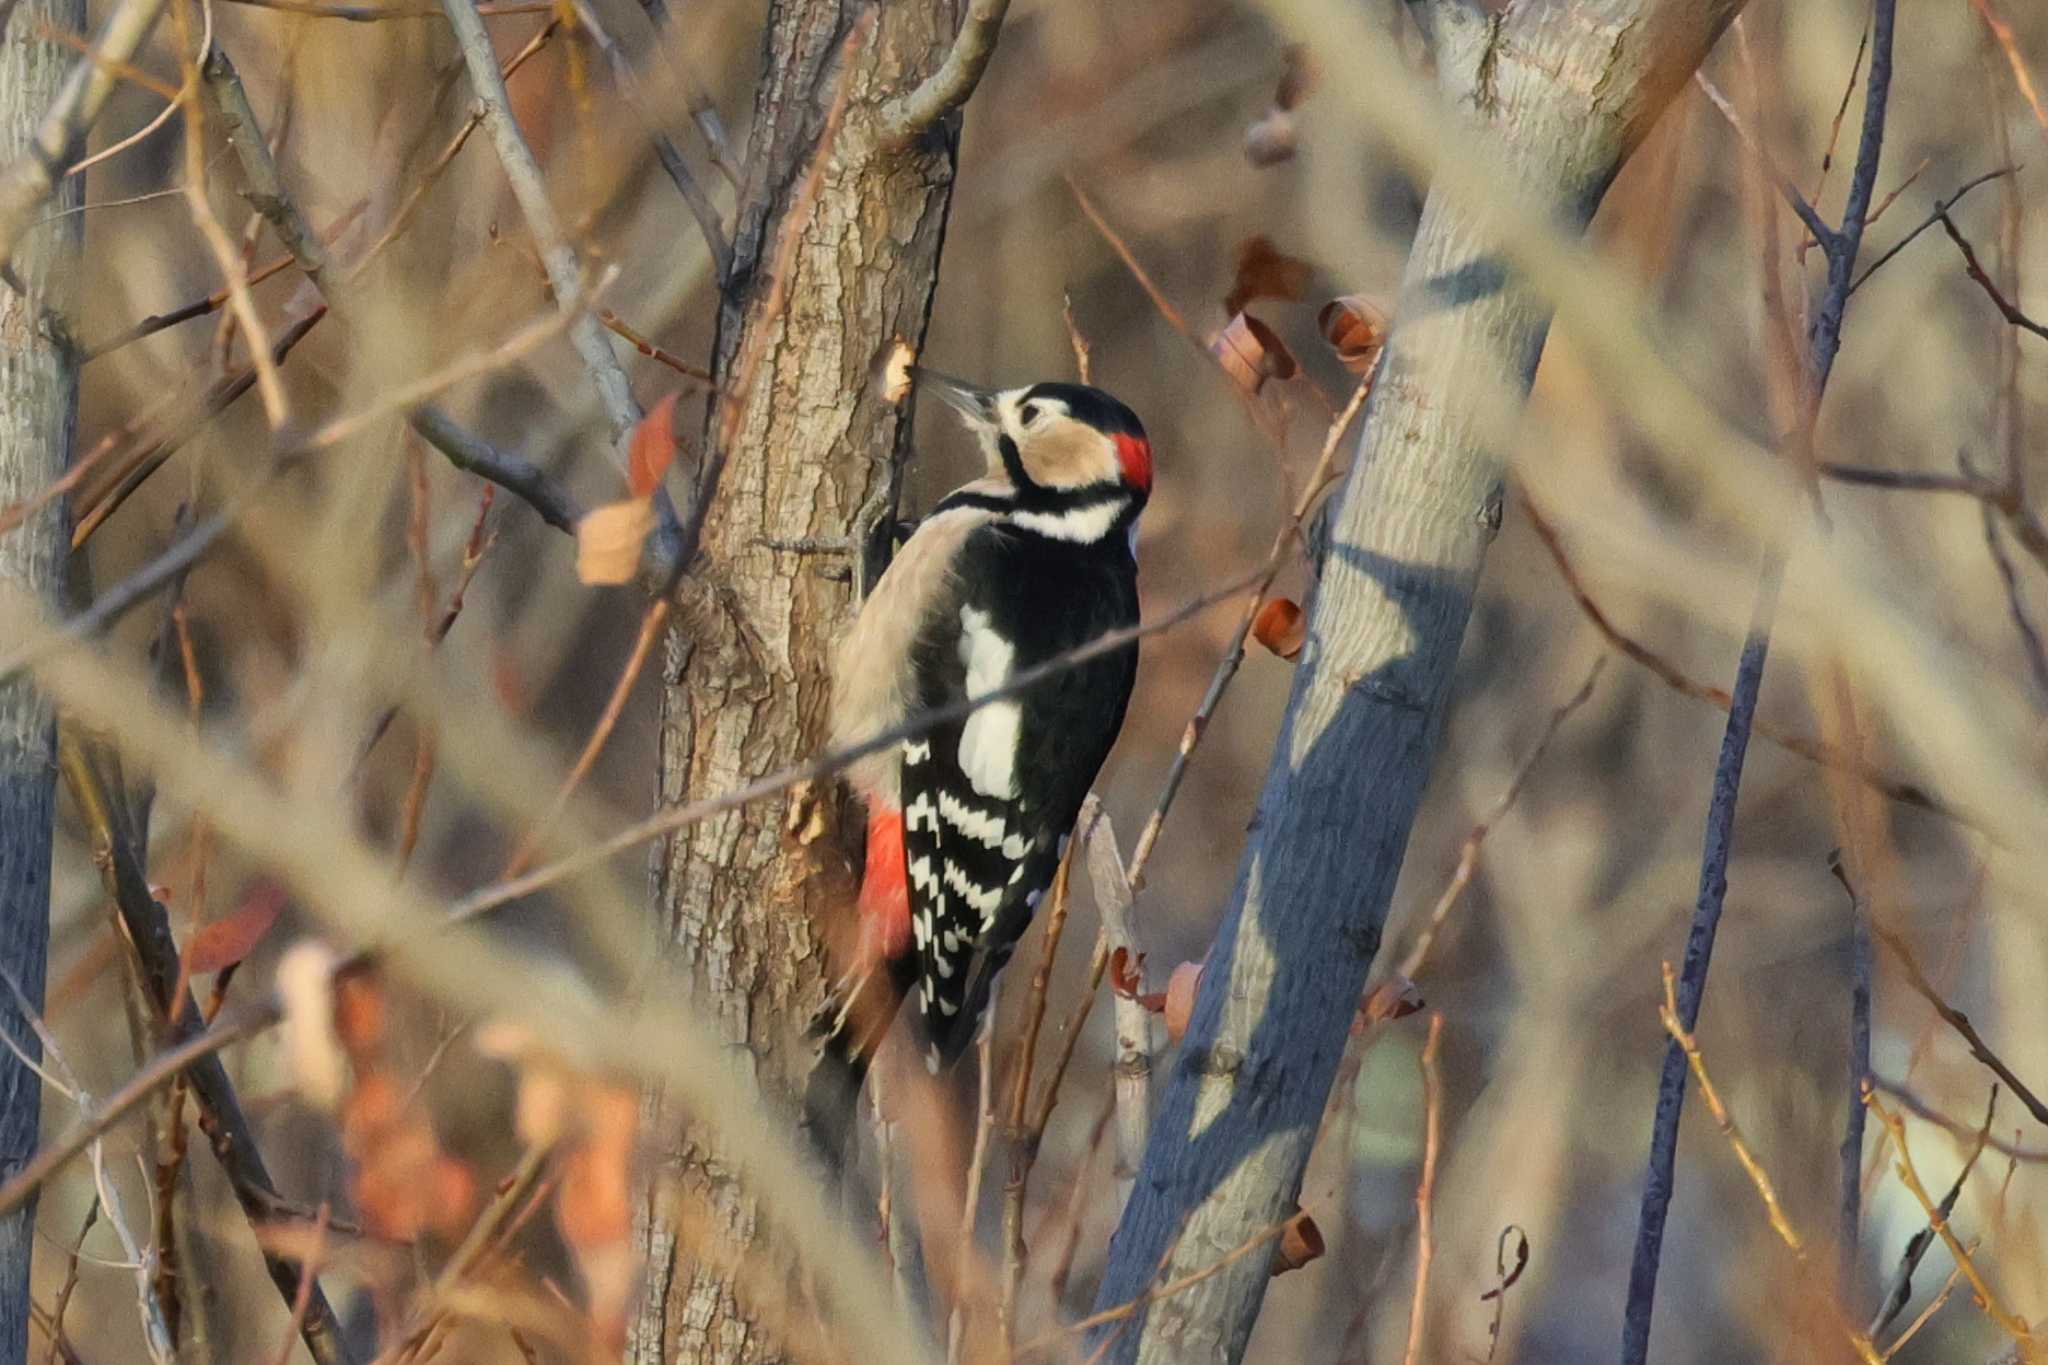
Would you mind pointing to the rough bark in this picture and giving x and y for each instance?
(38, 412)
(1566, 88)
(744, 897)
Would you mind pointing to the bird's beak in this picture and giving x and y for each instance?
(977, 405)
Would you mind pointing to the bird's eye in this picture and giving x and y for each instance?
(1028, 414)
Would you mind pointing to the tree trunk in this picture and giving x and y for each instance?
(744, 897)
(38, 411)
(1566, 88)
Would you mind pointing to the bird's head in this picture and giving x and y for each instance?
(1053, 437)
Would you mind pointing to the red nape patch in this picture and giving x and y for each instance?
(884, 891)
(1134, 453)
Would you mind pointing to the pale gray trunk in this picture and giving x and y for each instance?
(1567, 87)
(38, 410)
(742, 896)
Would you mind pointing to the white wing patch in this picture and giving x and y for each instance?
(988, 741)
(985, 828)
(1083, 525)
(978, 899)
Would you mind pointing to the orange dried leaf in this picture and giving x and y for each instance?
(1250, 353)
(1125, 973)
(1179, 1005)
(225, 942)
(1265, 272)
(1356, 328)
(1394, 998)
(1281, 627)
(1301, 1243)
(653, 449)
(359, 1014)
(608, 540)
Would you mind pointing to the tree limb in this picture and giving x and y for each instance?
(946, 89)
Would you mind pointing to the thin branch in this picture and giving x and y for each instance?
(1796, 201)
(489, 898)
(2030, 637)
(1848, 241)
(1719, 841)
(1959, 1021)
(540, 490)
(1860, 973)
(1955, 1127)
(2006, 307)
(2008, 1322)
(1901, 1291)
(665, 150)
(33, 175)
(1468, 852)
(1682, 1038)
(1929, 221)
(149, 933)
(1813, 750)
(1425, 1189)
(529, 187)
(903, 119)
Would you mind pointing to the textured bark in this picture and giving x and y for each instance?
(745, 897)
(38, 411)
(1567, 87)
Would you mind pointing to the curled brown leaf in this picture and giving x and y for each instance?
(1265, 272)
(1356, 328)
(1281, 627)
(1250, 353)
(1301, 1243)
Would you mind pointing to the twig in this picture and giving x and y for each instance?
(1941, 207)
(1079, 342)
(946, 89)
(1123, 1311)
(530, 189)
(2002, 34)
(2008, 1322)
(1813, 750)
(469, 452)
(703, 112)
(1468, 852)
(2006, 307)
(2030, 638)
(72, 1262)
(1916, 1246)
(696, 374)
(665, 150)
(402, 218)
(1781, 182)
(1934, 1305)
(970, 1198)
(489, 898)
(651, 624)
(1425, 1189)
(1860, 973)
(1848, 239)
(1960, 1022)
(1955, 1127)
(483, 1235)
(149, 932)
(316, 1247)
(32, 176)
(1682, 1038)
(1233, 654)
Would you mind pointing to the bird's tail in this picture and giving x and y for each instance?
(857, 1017)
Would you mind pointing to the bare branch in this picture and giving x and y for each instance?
(34, 174)
(946, 89)
(469, 452)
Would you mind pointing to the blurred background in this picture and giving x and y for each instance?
(1545, 971)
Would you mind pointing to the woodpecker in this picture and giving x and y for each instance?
(967, 822)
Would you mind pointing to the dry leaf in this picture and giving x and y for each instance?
(1265, 272)
(594, 1208)
(1251, 354)
(608, 540)
(1179, 1004)
(652, 450)
(892, 370)
(1271, 140)
(359, 1016)
(1301, 1243)
(1356, 328)
(1297, 77)
(1281, 627)
(1394, 998)
(305, 988)
(225, 942)
(1125, 977)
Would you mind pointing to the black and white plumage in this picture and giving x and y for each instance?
(967, 823)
